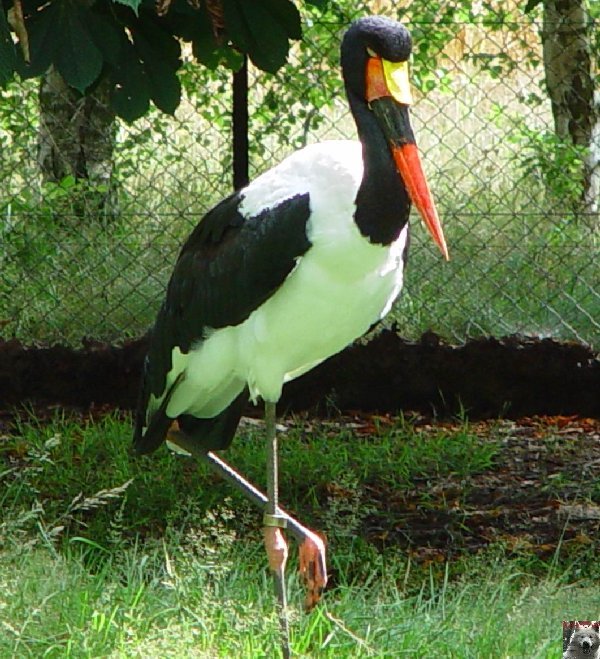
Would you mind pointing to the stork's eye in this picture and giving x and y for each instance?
(371, 52)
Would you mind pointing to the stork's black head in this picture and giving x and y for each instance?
(375, 52)
(382, 36)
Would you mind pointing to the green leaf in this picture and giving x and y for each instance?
(44, 35)
(205, 48)
(132, 4)
(206, 51)
(161, 41)
(235, 25)
(186, 22)
(232, 58)
(77, 59)
(214, 56)
(8, 56)
(270, 40)
(256, 31)
(287, 15)
(107, 34)
(130, 98)
(160, 55)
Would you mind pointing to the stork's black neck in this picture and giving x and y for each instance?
(382, 203)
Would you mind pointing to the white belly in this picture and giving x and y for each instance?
(319, 310)
(339, 288)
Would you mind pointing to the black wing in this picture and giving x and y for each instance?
(227, 268)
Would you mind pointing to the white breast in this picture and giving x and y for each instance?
(339, 288)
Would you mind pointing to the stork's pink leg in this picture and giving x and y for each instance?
(274, 521)
(277, 553)
(312, 552)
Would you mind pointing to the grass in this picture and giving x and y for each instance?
(104, 554)
(164, 602)
(66, 458)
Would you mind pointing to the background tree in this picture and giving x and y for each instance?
(569, 51)
(121, 56)
(76, 141)
(105, 59)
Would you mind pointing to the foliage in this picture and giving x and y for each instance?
(18, 108)
(139, 49)
(61, 281)
(555, 161)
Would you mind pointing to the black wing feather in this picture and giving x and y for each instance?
(216, 434)
(227, 268)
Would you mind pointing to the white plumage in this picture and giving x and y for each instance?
(345, 285)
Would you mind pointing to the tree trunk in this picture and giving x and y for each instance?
(77, 139)
(568, 64)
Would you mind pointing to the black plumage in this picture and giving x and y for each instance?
(227, 268)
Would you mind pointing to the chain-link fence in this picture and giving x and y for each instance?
(94, 210)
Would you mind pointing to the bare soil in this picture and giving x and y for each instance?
(542, 492)
(485, 378)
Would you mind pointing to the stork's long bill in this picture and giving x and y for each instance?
(389, 96)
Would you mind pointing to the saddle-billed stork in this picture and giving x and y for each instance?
(288, 271)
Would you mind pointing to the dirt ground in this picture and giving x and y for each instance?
(487, 378)
(542, 491)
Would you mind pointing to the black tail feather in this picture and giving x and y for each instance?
(146, 442)
(212, 434)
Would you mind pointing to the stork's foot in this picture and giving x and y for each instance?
(277, 549)
(313, 567)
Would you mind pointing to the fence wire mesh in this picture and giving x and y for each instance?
(94, 210)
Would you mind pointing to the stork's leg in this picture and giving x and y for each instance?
(274, 522)
(312, 548)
